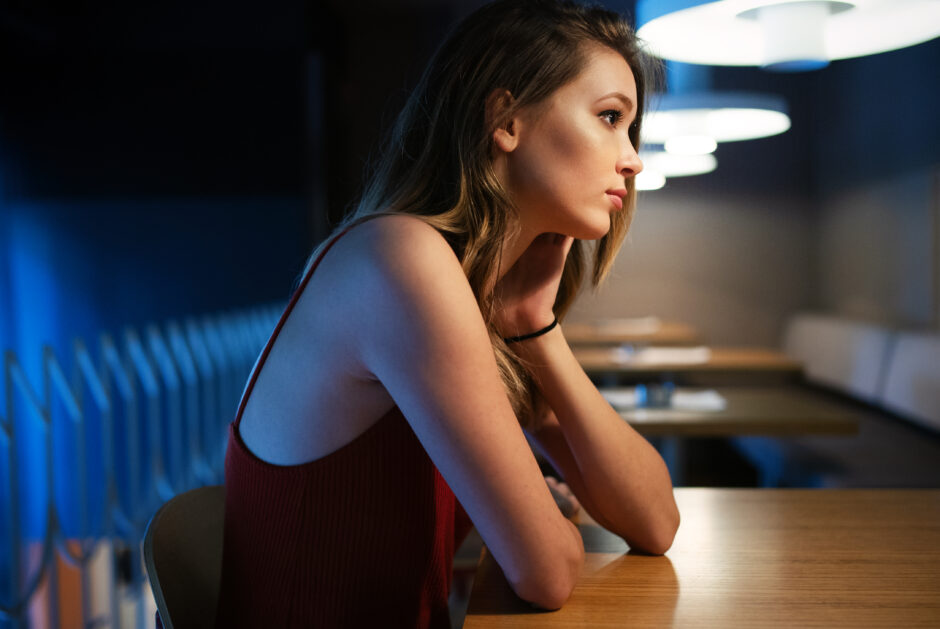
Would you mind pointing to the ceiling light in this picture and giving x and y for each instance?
(672, 165)
(692, 144)
(782, 34)
(721, 116)
(658, 165)
(649, 179)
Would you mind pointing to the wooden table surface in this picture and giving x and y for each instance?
(642, 331)
(750, 411)
(752, 558)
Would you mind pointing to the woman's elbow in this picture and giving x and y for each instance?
(546, 591)
(549, 587)
(658, 536)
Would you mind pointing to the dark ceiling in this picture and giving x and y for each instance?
(109, 99)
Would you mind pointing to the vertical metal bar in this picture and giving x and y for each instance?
(187, 369)
(160, 357)
(59, 384)
(16, 381)
(233, 336)
(133, 523)
(208, 384)
(224, 389)
(13, 514)
(151, 389)
(60, 388)
(87, 374)
(113, 368)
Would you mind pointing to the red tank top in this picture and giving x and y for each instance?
(362, 537)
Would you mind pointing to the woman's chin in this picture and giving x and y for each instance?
(594, 230)
(586, 226)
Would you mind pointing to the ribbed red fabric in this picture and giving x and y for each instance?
(363, 537)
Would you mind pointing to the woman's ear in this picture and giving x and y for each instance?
(505, 128)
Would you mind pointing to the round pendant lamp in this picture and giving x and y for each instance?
(785, 35)
(689, 123)
(660, 165)
(691, 118)
(684, 125)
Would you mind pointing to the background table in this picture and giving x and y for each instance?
(783, 411)
(752, 558)
(750, 411)
(646, 331)
(724, 365)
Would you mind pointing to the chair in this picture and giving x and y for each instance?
(850, 356)
(182, 551)
(912, 387)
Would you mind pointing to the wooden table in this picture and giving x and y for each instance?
(730, 365)
(752, 558)
(750, 411)
(639, 331)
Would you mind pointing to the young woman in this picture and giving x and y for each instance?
(421, 348)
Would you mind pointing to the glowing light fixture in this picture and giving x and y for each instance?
(672, 165)
(691, 118)
(660, 165)
(649, 180)
(692, 144)
(787, 35)
(681, 121)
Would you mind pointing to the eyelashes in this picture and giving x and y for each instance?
(612, 116)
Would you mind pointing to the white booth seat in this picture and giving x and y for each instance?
(840, 353)
(912, 385)
(890, 370)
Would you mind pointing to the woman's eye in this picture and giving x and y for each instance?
(612, 116)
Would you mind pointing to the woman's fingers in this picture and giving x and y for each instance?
(565, 499)
(528, 290)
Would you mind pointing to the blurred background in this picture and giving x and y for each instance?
(179, 157)
(175, 160)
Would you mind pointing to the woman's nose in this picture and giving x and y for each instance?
(629, 163)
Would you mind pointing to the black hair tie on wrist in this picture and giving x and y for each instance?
(515, 339)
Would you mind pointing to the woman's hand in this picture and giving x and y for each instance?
(526, 293)
(565, 499)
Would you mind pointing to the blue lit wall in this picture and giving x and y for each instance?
(151, 176)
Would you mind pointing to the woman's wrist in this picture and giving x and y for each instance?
(539, 349)
(531, 335)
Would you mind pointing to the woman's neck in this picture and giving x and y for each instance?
(513, 247)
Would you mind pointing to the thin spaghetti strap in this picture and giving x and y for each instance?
(280, 324)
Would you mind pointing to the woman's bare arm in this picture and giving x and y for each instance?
(616, 474)
(422, 336)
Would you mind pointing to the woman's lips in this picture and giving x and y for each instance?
(616, 197)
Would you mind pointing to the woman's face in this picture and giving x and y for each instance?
(567, 167)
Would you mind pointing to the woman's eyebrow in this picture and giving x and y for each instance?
(620, 96)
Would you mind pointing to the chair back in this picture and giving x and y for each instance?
(183, 555)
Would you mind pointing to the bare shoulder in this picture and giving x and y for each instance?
(392, 253)
(399, 239)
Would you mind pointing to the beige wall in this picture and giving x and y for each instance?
(878, 251)
(736, 266)
(733, 266)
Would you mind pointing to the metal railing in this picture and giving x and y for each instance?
(146, 420)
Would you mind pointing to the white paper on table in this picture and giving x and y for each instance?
(662, 355)
(707, 400)
(624, 398)
(633, 325)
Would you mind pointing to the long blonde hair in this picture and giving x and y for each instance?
(437, 161)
